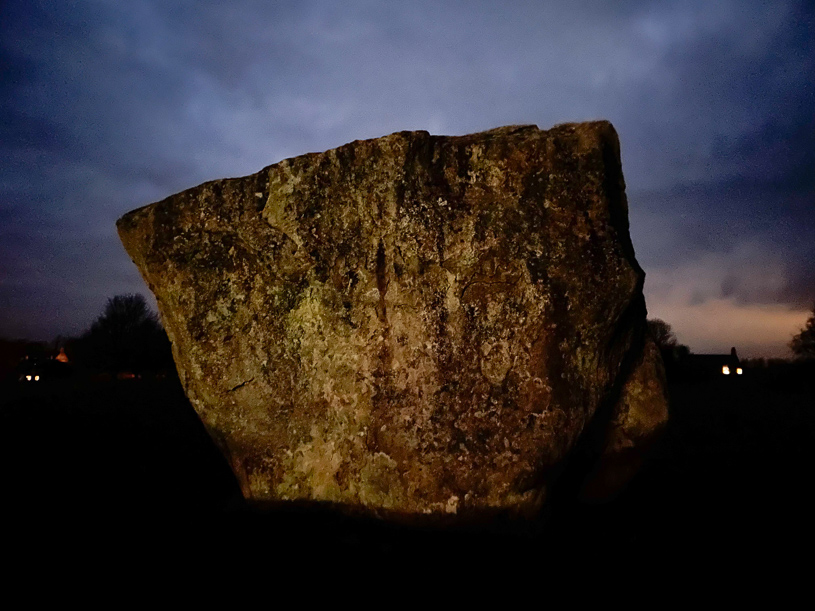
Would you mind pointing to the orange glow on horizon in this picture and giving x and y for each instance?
(690, 298)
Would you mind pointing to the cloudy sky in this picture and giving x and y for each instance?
(109, 105)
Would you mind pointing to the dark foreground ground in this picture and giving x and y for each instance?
(128, 460)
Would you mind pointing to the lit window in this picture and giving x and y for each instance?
(726, 370)
(738, 371)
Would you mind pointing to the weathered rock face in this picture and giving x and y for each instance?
(414, 324)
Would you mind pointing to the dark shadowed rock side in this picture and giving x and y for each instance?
(414, 326)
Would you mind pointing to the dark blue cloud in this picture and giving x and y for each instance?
(106, 106)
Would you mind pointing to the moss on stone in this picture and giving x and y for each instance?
(413, 325)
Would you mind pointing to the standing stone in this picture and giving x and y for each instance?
(414, 325)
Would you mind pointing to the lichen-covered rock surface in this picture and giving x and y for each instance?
(414, 325)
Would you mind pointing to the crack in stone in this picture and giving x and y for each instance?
(241, 385)
(382, 283)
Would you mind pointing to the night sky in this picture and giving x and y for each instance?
(108, 105)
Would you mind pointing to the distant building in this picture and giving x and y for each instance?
(712, 365)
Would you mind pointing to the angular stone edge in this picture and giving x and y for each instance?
(639, 415)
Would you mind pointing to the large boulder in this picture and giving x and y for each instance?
(412, 326)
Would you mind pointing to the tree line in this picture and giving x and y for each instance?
(127, 336)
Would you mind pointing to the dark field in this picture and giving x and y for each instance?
(731, 480)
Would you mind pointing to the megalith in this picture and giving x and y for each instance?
(414, 326)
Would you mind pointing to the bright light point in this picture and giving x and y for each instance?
(738, 371)
(36, 378)
(28, 378)
(726, 370)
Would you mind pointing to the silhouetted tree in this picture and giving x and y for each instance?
(127, 336)
(803, 344)
(665, 339)
(661, 333)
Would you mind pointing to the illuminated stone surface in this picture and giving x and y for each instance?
(413, 325)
